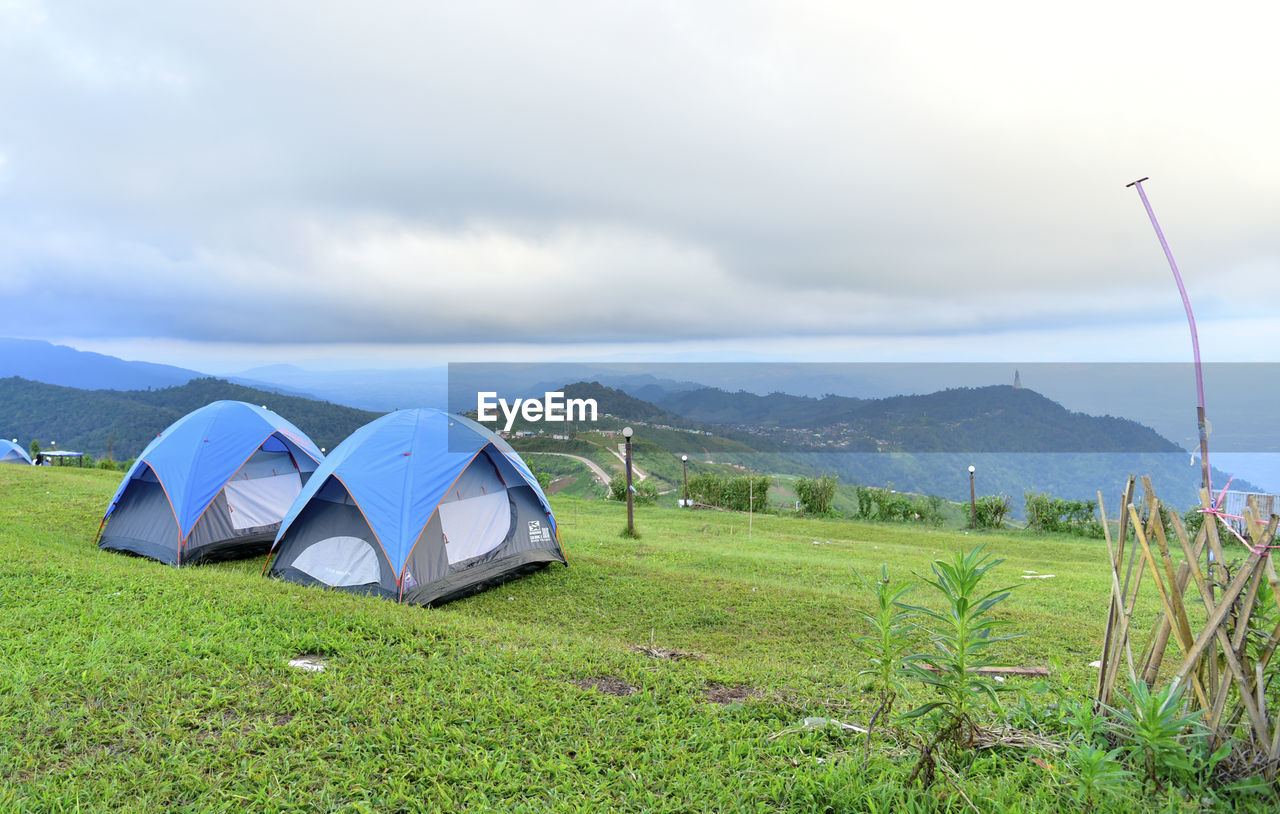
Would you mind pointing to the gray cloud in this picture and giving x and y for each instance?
(577, 172)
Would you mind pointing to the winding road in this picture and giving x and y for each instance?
(602, 476)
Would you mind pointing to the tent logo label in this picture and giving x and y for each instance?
(537, 531)
(553, 407)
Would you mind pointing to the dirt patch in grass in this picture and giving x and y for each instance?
(659, 653)
(609, 685)
(720, 694)
(559, 484)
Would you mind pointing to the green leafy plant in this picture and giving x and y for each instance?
(866, 501)
(816, 494)
(1047, 513)
(1098, 772)
(1084, 722)
(930, 510)
(738, 493)
(991, 511)
(891, 505)
(887, 646)
(1168, 744)
(962, 639)
(887, 505)
(644, 492)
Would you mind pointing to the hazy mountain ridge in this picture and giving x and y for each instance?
(997, 418)
(36, 360)
(788, 432)
(1019, 441)
(39, 361)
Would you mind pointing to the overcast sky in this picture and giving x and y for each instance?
(396, 182)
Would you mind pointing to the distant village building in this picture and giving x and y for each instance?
(1017, 380)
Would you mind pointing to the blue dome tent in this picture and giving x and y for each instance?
(214, 485)
(418, 506)
(11, 453)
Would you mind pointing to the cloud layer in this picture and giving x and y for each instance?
(569, 172)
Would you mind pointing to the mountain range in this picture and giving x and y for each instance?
(824, 432)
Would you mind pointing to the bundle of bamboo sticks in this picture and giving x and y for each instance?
(1226, 667)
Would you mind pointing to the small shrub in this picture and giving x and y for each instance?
(816, 494)
(737, 493)
(930, 510)
(1098, 773)
(886, 505)
(1169, 746)
(991, 511)
(866, 501)
(643, 492)
(1051, 514)
(891, 505)
(1193, 520)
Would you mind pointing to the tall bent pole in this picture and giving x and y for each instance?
(1195, 340)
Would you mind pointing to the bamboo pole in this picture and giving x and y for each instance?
(1111, 665)
(1171, 622)
(1102, 693)
(1180, 610)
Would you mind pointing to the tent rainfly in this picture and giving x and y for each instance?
(11, 453)
(214, 485)
(418, 506)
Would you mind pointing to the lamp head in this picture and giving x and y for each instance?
(684, 457)
(627, 432)
(971, 469)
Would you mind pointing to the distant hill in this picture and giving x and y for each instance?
(997, 418)
(620, 404)
(40, 361)
(1019, 441)
(380, 390)
(124, 421)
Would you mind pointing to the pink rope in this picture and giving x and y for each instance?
(1213, 509)
(1261, 550)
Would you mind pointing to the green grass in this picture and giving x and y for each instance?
(128, 685)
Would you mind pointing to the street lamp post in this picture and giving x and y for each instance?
(684, 465)
(973, 500)
(627, 432)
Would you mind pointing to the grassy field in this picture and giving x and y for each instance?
(126, 685)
